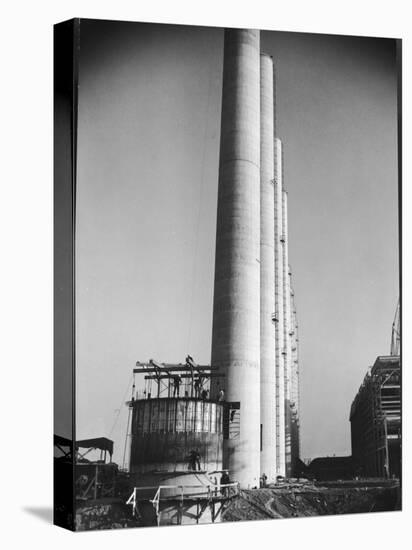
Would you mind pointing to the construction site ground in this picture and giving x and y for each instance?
(285, 500)
(305, 499)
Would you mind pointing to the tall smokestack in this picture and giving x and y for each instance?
(294, 381)
(279, 309)
(236, 309)
(267, 273)
(287, 353)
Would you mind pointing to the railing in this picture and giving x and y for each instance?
(224, 490)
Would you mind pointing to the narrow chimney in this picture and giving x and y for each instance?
(267, 273)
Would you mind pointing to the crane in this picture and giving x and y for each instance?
(396, 332)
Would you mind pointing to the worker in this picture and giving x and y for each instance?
(205, 393)
(194, 459)
(197, 387)
(221, 395)
(177, 380)
(197, 459)
(224, 480)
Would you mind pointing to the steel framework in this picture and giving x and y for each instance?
(376, 420)
(189, 500)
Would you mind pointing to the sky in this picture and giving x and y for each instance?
(148, 151)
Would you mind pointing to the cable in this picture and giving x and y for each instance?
(202, 170)
(120, 407)
(125, 439)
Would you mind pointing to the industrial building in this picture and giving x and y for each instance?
(197, 434)
(200, 437)
(332, 468)
(375, 418)
(375, 415)
(241, 413)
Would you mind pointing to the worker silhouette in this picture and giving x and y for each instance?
(197, 387)
(194, 459)
(190, 360)
(224, 480)
(221, 395)
(177, 380)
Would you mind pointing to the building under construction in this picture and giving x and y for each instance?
(200, 438)
(176, 447)
(197, 434)
(375, 415)
(376, 420)
(239, 416)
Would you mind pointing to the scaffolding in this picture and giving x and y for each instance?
(187, 501)
(179, 417)
(186, 379)
(95, 479)
(376, 420)
(396, 332)
(294, 391)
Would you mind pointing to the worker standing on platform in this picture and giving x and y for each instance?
(190, 361)
(177, 380)
(197, 387)
(225, 480)
(194, 460)
(197, 459)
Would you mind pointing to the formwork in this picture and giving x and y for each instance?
(166, 430)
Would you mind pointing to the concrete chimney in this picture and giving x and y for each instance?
(280, 241)
(267, 273)
(287, 350)
(236, 309)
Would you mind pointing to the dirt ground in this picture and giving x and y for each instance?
(310, 499)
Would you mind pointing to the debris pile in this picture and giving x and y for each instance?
(104, 514)
(310, 499)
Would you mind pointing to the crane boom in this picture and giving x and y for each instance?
(396, 332)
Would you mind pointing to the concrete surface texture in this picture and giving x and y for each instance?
(287, 352)
(236, 310)
(267, 273)
(279, 308)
